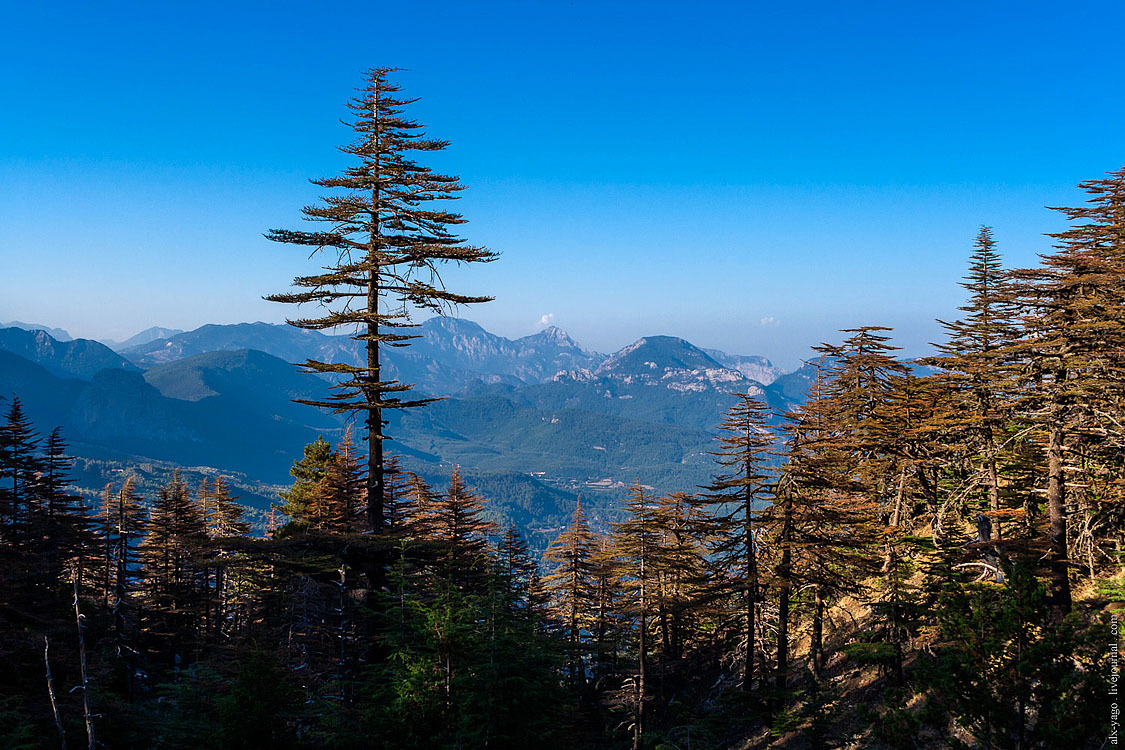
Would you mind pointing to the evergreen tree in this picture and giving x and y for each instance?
(339, 494)
(394, 496)
(221, 510)
(307, 472)
(122, 520)
(516, 570)
(19, 467)
(387, 244)
(744, 482)
(1073, 353)
(463, 533)
(175, 578)
(59, 520)
(569, 585)
(976, 366)
(635, 544)
(608, 617)
(419, 508)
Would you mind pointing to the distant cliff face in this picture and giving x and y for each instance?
(466, 346)
(752, 366)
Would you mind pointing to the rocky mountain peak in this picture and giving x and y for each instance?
(658, 353)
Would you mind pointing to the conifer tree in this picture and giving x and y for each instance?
(517, 572)
(307, 472)
(106, 543)
(19, 447)
(60, 521)
(744, 481)
(386, 242)
(635, 545)
(394, 496)
(844, 477)
(608, 606)
(339, 495)
(779, 518)
(463, 533)
(122, 519)
(222, 512)
(174, 575)
(683, 572)
(976, 368)
(1073, 353)
(569, 585)
(222, 516)
(419, 508)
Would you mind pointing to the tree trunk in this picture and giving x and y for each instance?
(896, 520)
(639, 721)
(82, 664)
(375, 477)
(1056, 508)
(817, 642)
(574, 632)
(751, 585)
(785, 583)
(993, 486)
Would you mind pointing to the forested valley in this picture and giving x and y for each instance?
(923, 554)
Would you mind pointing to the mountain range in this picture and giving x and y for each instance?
(57, 334)
(533, 421)
(146, 336)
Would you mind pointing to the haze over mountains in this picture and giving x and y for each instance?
(144, 337)
(532, 421)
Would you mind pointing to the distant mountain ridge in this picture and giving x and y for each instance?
(144, 337)
(282, 341)
(451, 353)
(57, 334)
(78, 358)
(538, 419)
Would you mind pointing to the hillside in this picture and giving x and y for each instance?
(80, 358)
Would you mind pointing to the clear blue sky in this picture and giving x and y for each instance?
(749, 176)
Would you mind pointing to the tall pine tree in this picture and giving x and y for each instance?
(386, 240)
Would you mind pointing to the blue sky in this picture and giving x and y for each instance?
(749, 176)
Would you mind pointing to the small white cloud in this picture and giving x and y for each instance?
(770, 322)
(547, 320)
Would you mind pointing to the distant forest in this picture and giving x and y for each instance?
(916, 557)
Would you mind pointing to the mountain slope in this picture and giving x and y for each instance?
(122, 414)
(80, 358)
(282, 341)
(572, 448)
(246, 380)
(45, 396)
(57, 334)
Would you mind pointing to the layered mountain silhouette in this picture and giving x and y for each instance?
(532, 421)
(79, 358)
(146, 336)
(58, 334)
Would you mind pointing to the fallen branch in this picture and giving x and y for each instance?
(51, 693)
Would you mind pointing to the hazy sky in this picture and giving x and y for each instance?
(748, 176)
